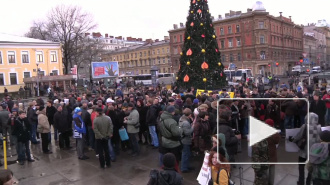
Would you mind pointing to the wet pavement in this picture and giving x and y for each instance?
(64, 168)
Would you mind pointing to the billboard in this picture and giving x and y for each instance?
(105, 69)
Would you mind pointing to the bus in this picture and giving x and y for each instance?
(145, 78)
(237, 75)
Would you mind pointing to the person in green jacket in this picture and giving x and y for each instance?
(133, 128)
(103, 129)
(171, 134)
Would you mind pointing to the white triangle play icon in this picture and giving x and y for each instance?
(259, 130)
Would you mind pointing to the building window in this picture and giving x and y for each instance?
(154, 62)
(229, 30)
(238, 56)
(168, 60)
(168, 50)
(158, 60)
(53, 57)
(262, 39)
(2, 79)
(262, 55)
(148, 53)
(180, 38)
(237, 29)
(140, 54)
(175, 50)
(164, 61)
(158, 52)
(135, 55)
(42, 73)
(25, 57)
(222, 42)
(13, 78)
(222, 31)
(163, 50)
(261, 24)
(153, 52)
(145, 53)
(230, 42)
(11, 57)
(238, 41)
(40, 57)
(27, 75)
(0, 57)
(174, 39)
(231, 57)
(223, 58)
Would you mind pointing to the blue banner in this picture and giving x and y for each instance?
(105, 69)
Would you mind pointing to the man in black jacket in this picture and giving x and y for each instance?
(50, 111)
(86, 116)
(318, 107)
(63, 126)
(33, 121)
(151, 121)
(22, 130)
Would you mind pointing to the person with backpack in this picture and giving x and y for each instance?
(319, 159)
(220, 173)
(169, 176)
(300, 139)
(202, 131)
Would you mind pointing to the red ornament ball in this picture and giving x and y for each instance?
(203, 36)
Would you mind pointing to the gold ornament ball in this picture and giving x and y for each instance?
(219, 63)
(191, 11)
(204, 80)
(213, 36)
(176, 78)
(198, 0)
(202, 24)
(207, 11)
(181, 53)
(188, 63)
(188, 38)
(203, 50)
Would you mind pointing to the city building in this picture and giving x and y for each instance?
(139, 59)
(310, 48)
(21, 56)
(253, 39)
(112, 43)
(318, 52)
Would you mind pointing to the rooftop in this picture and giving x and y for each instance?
(7, 38)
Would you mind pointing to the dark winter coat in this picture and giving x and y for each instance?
(231, 139)
(50, 112)
(86, 116)
(320, 109)
(152, 114)
(32, 116)
(143, 117)
(290, 108)
(61, 121)
(22, 130)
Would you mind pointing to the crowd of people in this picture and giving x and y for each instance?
(179, 124)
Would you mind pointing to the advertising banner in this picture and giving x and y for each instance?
(105, 69)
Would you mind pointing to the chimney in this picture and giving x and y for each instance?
(249, 10)
(166, 38)
(232, 13)
(157, 40)
(181, 25)
(290, 18)
(238, 12)
(86, 34)
(149, 41)
(111, 37)
(139, 39)
(227, 15)
(175, 26)
(220, 17)
(281, 14)
(120, 37)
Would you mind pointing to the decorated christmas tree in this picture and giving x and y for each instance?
(200, 61)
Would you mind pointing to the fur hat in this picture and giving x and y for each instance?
(203, 106)
(325, 136)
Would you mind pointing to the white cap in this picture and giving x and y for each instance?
(109, 100)
(174, 94)
(56, 101)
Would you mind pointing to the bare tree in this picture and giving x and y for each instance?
(68, 25)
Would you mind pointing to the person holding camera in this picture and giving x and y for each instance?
(103, 129)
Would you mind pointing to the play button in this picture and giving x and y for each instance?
(259, 131)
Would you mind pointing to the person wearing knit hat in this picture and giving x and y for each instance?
(80, 132)
(196, 101)
(169, 161)
(170, 109)
(79, 99)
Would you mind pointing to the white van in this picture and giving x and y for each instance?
(298, 69)
(316, 69)
(238, 74)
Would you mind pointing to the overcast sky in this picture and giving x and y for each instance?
(148, 18)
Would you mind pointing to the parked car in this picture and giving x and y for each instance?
(316, 69)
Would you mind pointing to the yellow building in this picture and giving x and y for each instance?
(19, 57)
(139, 59)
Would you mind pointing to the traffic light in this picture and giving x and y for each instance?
(277, 64)
(307, 70)
(268, 65)
(301, 60)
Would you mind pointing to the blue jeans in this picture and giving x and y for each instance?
(153, 134)
(245, 126)
(289, 122)
(23, 151)
(34, 133)
(186, 153)
(91, 137)
(111, 150)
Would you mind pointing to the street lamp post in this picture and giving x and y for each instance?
(37, 79)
